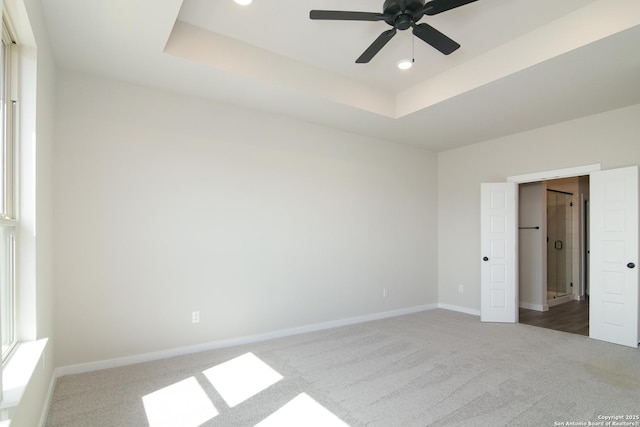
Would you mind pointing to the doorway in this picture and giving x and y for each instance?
(553, 253)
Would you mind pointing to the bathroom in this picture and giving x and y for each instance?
(553, 242)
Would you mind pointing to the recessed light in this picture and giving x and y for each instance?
(243, 2)
(405, 64)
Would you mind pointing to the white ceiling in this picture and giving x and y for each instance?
(523, 63)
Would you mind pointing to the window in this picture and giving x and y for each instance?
(8, 188)
(7, 281)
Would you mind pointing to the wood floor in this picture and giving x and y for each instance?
(570, 317)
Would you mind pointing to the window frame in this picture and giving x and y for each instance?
(9, 219)
(8, 309)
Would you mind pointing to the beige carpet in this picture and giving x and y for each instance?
(436, 368)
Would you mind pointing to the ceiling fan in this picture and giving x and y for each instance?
(401, 15)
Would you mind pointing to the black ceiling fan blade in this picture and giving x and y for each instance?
(338, 15)
(435, 38)
(375, 47)
(438, 6)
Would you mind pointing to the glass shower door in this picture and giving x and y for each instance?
(559, 244)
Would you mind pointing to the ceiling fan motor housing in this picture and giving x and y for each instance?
(403, 17)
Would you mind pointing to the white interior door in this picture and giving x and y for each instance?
(613, 306)
(499, 252)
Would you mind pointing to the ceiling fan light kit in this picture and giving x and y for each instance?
(405, 64)
(401, 15)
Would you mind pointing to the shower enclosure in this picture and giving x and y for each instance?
(559, 246)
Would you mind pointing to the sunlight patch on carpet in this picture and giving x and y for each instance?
(302, 411)
(616, 374)
(241, 378)
(183, 404)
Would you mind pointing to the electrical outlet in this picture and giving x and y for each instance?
(385, 292)
(461, 289)
(195, 317)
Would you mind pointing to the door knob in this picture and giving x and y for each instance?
(485, 259)
(631, 265)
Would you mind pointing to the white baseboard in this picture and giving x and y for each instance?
(537, 307)
(181, 351)
(561, 300)
(460, 309)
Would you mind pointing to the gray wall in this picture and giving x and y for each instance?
(167, 204)
(532, 246)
